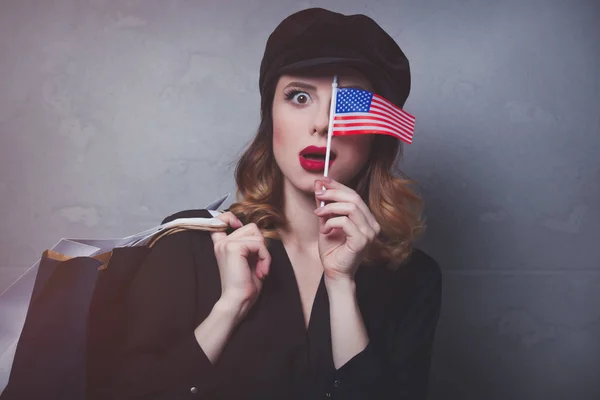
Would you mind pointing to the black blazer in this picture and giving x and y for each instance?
(270, 355)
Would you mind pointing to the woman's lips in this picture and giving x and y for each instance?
(312, 158)
(314, 165)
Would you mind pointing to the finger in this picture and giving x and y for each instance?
(355, 239)
(349, 196)
(351, 210)
(236, 245)
(217, 236)
(330, 183)
(246, 230)
(230, 219)
(241, 231)
(318, 186)
(263, 257)
(263, 267)
(258, 282)
(226, 244)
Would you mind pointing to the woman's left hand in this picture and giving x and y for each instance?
(346, 229)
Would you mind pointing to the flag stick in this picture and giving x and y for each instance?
(334, 86)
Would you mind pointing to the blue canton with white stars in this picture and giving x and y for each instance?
(353, 100)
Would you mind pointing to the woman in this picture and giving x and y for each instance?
(296, 300)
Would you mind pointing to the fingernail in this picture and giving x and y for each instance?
(327, 179)
(320, 192)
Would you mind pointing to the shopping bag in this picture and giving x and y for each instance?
(45, 329)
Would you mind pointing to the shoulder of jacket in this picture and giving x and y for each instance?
(185, 238)
(422, 267)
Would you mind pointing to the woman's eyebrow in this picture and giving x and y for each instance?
(308, 86)
(302, 85)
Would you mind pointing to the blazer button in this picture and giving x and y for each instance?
(193, 390)
(327, 394)
(336, 383)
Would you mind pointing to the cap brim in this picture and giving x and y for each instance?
(373, 73)
(366, 67)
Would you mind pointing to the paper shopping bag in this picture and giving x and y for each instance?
(44, 315)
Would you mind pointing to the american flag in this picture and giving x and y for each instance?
(361, 112)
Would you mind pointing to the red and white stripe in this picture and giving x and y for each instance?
(384, 118)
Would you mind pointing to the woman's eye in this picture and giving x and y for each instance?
(298, 97)
(301, 98)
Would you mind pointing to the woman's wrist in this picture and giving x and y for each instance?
(343, 285)
(345, 317)
(341, 293)
(214, 332)
(229, 309)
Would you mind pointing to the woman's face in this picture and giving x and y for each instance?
(301, 119)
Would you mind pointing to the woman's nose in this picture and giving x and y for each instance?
(322, 118)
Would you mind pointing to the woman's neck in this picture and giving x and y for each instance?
(302, 231)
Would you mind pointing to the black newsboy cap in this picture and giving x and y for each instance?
(317, 36)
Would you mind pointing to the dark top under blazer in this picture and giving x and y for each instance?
(271, 354)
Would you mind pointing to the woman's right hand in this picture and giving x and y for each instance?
(243, 261)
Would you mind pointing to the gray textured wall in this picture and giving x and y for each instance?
(116, 113)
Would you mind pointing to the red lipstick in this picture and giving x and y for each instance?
(312, 158)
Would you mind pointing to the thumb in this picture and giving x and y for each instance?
(230, 219)
(317, 187)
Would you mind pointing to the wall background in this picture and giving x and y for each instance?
(114, 114)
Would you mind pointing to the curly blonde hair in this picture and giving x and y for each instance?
(381, 185)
